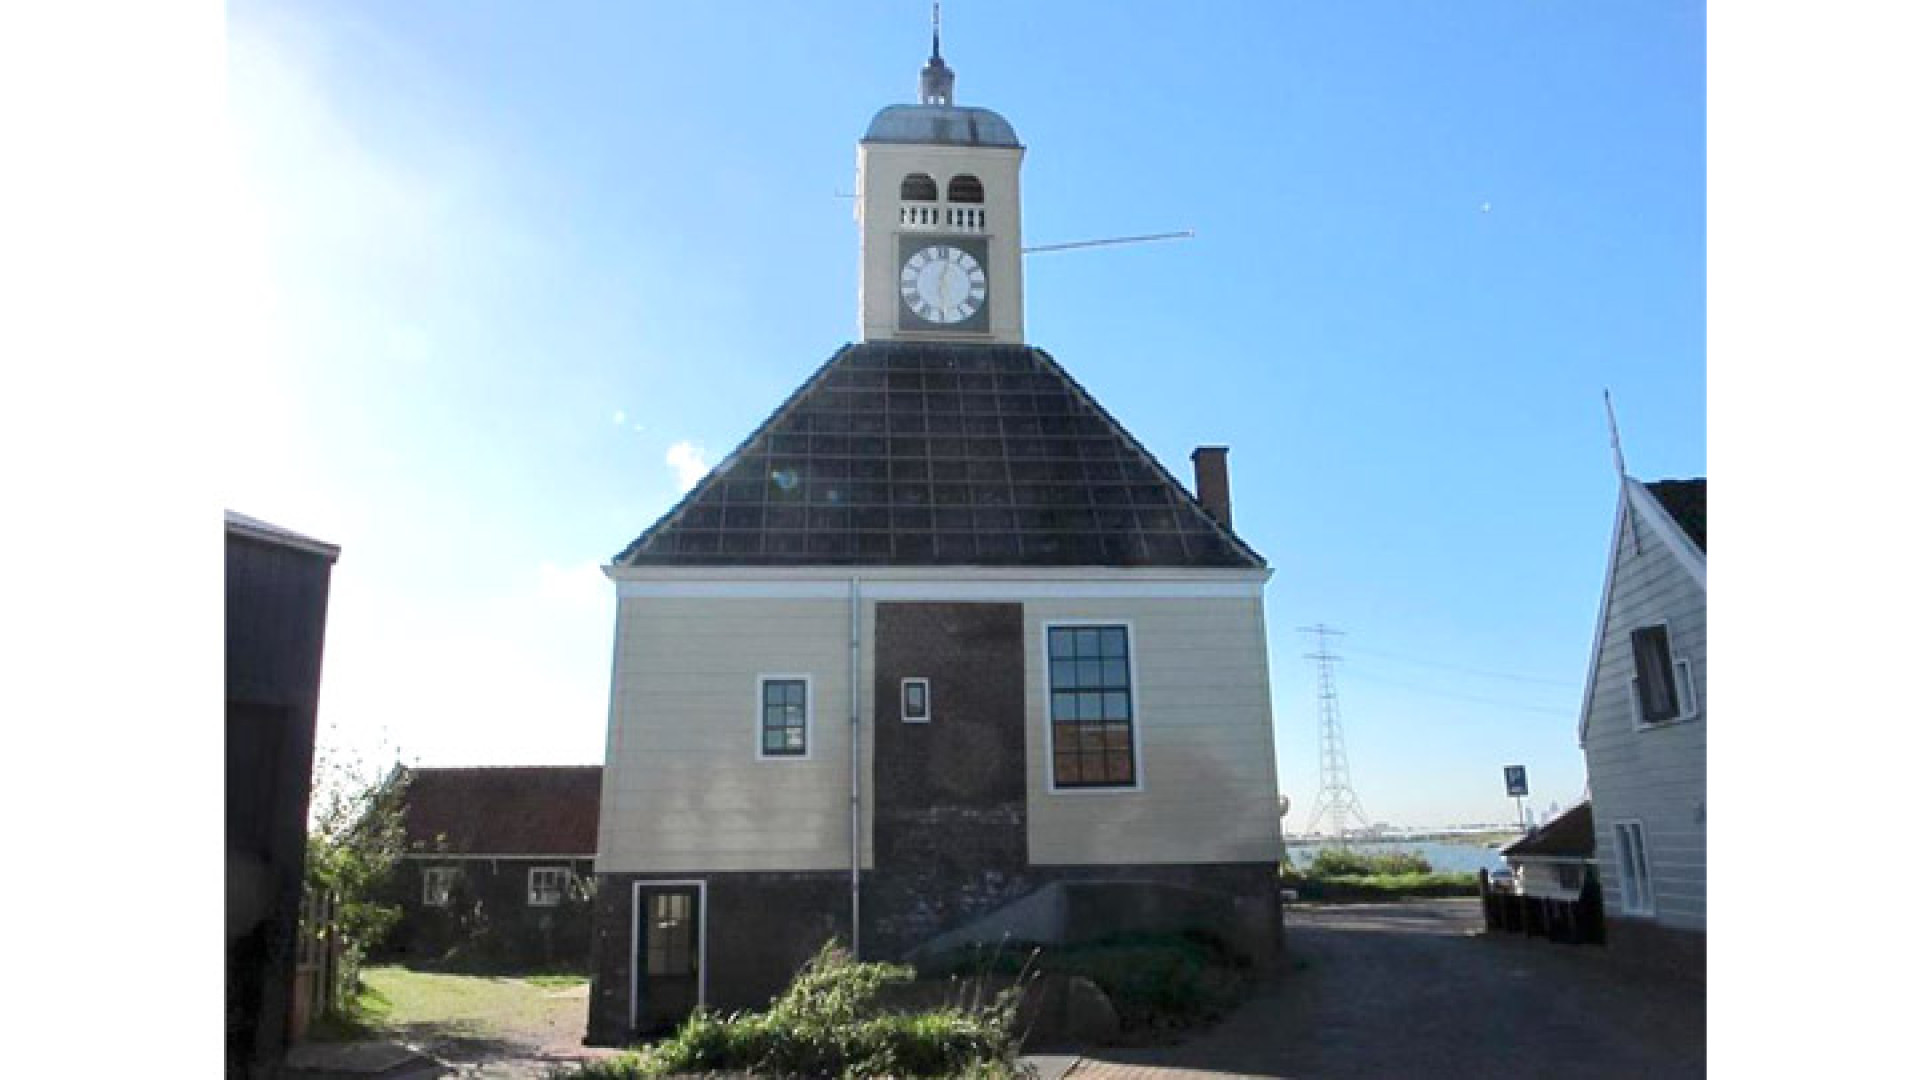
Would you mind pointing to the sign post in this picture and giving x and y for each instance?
(1517, 790)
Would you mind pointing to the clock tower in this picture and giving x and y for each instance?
(938, 203)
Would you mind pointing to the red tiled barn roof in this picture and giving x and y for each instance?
(547, 810)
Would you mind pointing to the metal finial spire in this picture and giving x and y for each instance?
(936, 79)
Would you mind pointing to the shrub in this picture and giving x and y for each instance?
(828, 1023)
(1338, 862)
(1156, 982)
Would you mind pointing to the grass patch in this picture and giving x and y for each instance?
(405, 1001)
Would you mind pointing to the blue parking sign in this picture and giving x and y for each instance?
(1516, 781)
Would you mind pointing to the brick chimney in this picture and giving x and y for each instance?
(1210, 483)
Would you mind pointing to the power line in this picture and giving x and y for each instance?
(1488, 673)
(1544, 710)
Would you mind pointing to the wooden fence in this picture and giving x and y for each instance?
(316, 968)
(1572, 922)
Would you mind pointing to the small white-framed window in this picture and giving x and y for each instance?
(1636, 882)
(436, 885)
(784, 720)
(916, 701)
(547, 885)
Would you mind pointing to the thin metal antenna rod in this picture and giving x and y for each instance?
(1613, 432)
(1620, 467)
(1336, 800)
(1183, 234)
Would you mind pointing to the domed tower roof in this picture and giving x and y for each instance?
(937, 120)
(943, 125)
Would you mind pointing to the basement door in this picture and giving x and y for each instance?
(668, 947)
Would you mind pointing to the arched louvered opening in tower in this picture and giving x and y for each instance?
(965, 194)
(918, 194)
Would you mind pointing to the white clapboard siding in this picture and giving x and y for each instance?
(685, 791)
(1656, 776)
(1206, 740)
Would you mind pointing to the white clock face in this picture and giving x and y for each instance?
(943, 284)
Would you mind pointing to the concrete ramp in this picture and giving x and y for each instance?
(1079, 912)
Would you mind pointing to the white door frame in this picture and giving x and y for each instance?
(633, 943)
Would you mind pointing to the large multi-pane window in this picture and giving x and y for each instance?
(1090, 680)
(783, 717)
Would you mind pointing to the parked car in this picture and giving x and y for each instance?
(1500, 880)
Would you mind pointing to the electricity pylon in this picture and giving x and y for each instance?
(1336, 801)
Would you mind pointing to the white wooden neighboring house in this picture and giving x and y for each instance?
(1643, 724)
(1553, 861)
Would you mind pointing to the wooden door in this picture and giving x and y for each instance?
(667, 955)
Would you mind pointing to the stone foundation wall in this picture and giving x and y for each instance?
(760, 928)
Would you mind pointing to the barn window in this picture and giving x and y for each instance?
(547, 885)
(966, 189)
(436, 886)
(919, 187)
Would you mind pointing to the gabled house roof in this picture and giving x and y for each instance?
(1685, 501)
(1569, 836)
(1675, 513)
(549, 810)
(928, 454)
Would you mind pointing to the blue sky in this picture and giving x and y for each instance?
(501, 260)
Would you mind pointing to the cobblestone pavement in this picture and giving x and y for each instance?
(1412, 990)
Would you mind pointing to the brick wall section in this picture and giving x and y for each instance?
(949, 796)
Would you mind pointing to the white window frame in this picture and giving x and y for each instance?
(1636, 867)
(534, 873)
(926, 696)
(1685, 698)
(1139, 784)
(759, 717)
(442, 894)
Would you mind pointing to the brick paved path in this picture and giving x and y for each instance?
(1409, 990)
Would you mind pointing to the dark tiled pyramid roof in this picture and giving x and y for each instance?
(1569, 836)
(505, 811)
(922, 454)
(1686, 501)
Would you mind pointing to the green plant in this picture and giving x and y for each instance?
(829, 1023)
(355, 837)
(1155, 982)
(1339, 862)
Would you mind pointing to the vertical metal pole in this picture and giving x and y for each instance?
(853, 731)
